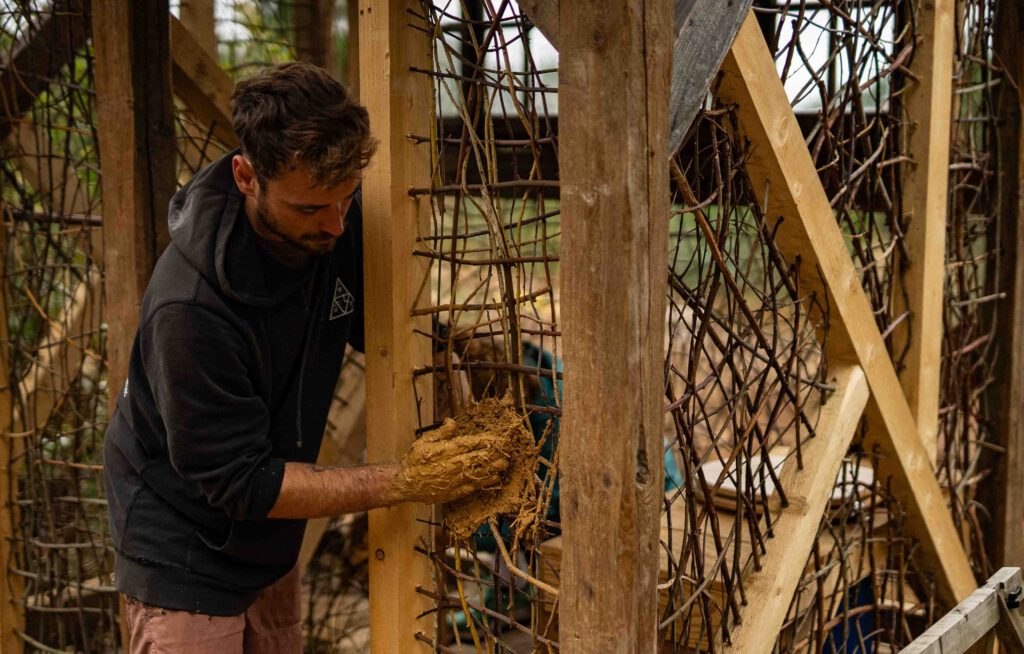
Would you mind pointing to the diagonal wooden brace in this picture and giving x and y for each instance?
(201, 83)
(782, 172)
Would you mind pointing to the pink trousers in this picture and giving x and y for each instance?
(271, 625)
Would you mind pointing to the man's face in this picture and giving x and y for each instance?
(293, 209)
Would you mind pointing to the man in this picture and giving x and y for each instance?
(209, 454)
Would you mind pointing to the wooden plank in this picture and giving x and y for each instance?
(703, 30)
(314, 34)
(201, 83)
(544, 15)
(1004, 495)
(352, 56)
(199, 19)
(36, 60)
(925, 201)
(399, 103)
(138, 157)
(769, 590)
(613, 100)
(781, 170)
(197, 16)
(968, 621)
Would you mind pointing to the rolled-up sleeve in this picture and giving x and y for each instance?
(199, 369)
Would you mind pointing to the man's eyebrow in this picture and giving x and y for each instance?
(307, 206)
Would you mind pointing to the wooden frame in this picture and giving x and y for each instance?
(137, 184)
(780, 163)
(399, 102)
(614, 194)
(987, 611)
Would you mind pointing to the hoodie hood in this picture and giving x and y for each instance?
(207, 223)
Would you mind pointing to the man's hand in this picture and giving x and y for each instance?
(443, 466)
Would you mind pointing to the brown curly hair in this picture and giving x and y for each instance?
(297, 113)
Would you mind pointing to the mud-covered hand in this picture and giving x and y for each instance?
(443, 466)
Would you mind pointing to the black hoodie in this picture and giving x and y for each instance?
(232, 373)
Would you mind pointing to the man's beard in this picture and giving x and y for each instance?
(312, 244)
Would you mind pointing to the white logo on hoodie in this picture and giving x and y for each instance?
(343, 303)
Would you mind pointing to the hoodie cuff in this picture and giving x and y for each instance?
(266, 485)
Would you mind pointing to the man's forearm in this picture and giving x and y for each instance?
(312, 491)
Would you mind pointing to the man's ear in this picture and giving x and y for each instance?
(245, 176)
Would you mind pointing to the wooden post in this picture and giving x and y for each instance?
(399, 103)
(314, 34)
(1003, 496)
(352, 56)
(138, 159)
(137, 156)
(925, 199)
(613, 149)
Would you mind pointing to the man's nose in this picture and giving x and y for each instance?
(334, 223)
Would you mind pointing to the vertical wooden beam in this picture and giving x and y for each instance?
(925, 201)
(201, 83)
(613, 148)
(399, 103)
(137, 157)
(135, 116)
(352, 56)
(314, 33)
(1003, 496)
(198, 16)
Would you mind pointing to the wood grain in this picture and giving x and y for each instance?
(134, 109)
(399, 103)
(769, 590)
(201, 83)
(969, 620)
(929, 103)
(705, 30)
(615, 193)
